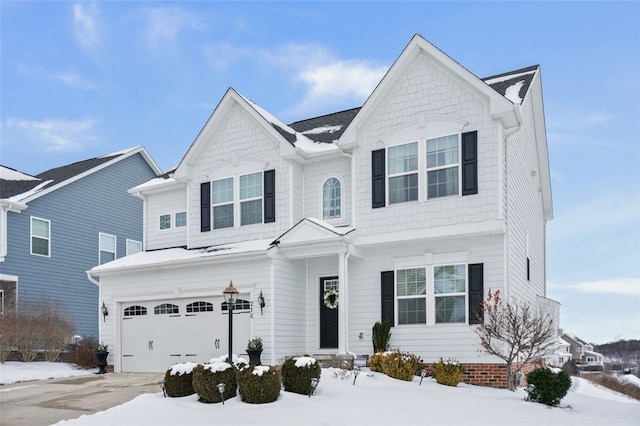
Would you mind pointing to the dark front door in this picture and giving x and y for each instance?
(328, 316)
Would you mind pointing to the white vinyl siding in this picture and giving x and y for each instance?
(40, 237)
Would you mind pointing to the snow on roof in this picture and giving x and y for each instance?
(176, 255)
(7, 173)
(340, 231)
(301, 141)
(513, 92)
(506, 77)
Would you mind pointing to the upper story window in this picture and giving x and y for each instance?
(241, 199)
(443, 159)
(107, 250)
(165, 221)
(133, 247)
(424, 169)
(40, 237)
(181, 219)
(331, 198)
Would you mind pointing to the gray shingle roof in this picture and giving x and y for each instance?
(501, 82)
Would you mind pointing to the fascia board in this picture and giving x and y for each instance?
(133, 151)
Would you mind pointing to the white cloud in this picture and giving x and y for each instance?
(162, 25)
(85, 25)
(51, 134)
(68, 78)
(628, 286)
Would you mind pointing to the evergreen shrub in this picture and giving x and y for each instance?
(380, 336)
(259, 384)
(376, 361)
(178, 380)
(548, 387)
(400, 365)
(447, 372)
(297, 373)
(206, 378)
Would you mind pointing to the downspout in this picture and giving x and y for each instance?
(345, 301)
(94, 281)
(505, 238)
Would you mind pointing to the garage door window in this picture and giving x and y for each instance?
(136, 310)
(166, 308)
(199, 307)
(240, 304)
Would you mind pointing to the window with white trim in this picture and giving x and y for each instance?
(237, 199)
(331, 198)
(432, 295)
(40, 237)
(165, 221)
(222, 191)
(107, 250)
(133, 247)
(443, 166)
(181, 219)
(402, 172)
(424, 169)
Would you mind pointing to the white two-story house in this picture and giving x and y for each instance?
(410, 207)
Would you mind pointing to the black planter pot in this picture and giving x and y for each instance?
(254, 356)
(101, 361)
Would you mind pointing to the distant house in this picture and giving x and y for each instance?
(410, 208)
(561, 355)
(57, 224)
(581, 351)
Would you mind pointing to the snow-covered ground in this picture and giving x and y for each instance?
(375, 399)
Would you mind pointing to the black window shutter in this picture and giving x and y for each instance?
(470, 163)
(205, 207)
(476, 293)
(377, 178)
(269, 196)
(387, 291)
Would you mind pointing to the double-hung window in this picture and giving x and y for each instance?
(251, 198)
(431, 295)
(402, 172)
(443, 160)
(40, 237)
(450, 289)
(107, 248)
(222, 203)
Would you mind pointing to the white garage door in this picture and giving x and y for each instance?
(159, 333)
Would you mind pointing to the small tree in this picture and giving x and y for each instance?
(514, 332)
(380, 336)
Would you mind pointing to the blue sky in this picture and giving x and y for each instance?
(82, 79)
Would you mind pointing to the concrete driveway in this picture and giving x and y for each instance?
(45, 402)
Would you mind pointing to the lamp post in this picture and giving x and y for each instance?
(230, 296)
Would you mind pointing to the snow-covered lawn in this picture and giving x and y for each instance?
(375, 399)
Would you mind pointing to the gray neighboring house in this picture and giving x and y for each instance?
(57, 224)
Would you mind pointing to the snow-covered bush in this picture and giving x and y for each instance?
(447, 372)
(396, 364)
(297, 374)
(178, 380)
(259, 384)
(206, 378)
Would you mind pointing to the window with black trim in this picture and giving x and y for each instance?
(199, 306)
(134, 311)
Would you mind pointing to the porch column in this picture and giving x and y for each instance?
(343, 329)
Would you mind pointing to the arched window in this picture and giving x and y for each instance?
(199, 307)
(331, 198)
(166, 308)
(135, 310)
(240, 304)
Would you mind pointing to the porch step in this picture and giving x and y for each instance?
(334, 360)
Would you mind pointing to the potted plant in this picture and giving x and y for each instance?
(101, 352)
(254, 349)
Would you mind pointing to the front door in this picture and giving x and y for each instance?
(328, 315)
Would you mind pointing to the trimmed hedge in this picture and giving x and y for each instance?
(259, 384)
(396, 364)
(207, 377)
(178, 380)
(297, 374)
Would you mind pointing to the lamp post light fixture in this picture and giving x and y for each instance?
(314, 385)
(105, 312)
(230, 297)
(221, 390)
(423, 373)
(356, 371)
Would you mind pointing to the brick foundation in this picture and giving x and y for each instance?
(491, 375)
